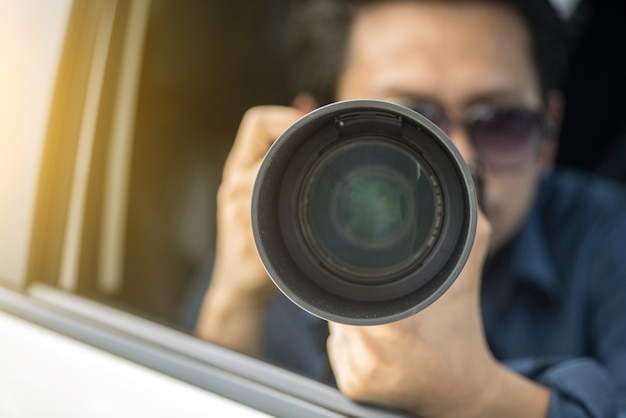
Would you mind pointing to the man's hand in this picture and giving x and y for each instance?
(435, 363)
(240, 290)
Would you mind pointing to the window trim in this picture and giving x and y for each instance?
(228, 360)
(235, 376)
(68, 274)
(155, 357)
(117, 172)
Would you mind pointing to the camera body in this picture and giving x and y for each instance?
(363, 212)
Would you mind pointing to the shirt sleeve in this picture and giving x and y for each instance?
(580, 387)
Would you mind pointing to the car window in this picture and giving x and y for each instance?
(158, 105)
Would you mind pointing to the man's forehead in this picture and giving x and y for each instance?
(428, 47)
(433, 25)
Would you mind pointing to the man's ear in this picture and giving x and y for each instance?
(554, 107)
(304, 102)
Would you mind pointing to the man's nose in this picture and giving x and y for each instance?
(462, 141)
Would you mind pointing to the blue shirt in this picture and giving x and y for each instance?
(553, 302)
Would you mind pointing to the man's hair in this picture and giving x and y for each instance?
(318, 31)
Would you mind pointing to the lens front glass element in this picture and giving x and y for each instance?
(371, 205)
(370, 209)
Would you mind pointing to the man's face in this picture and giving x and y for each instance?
(457, 59)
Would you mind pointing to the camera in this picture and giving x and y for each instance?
(363, 212)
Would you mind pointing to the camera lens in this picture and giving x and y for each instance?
(363, 212)
(370, 209)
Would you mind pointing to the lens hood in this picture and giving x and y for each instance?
(363, 212)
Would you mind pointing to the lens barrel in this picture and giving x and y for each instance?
(363, 212)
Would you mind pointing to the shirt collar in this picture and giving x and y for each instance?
(530, 259)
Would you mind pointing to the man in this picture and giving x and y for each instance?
(542, 330)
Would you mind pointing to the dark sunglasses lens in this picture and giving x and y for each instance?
(506, 137)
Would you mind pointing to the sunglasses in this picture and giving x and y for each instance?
(504, 137)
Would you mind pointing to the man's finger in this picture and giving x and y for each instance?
(259, 129)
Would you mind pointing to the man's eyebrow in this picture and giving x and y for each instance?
(496, 97)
